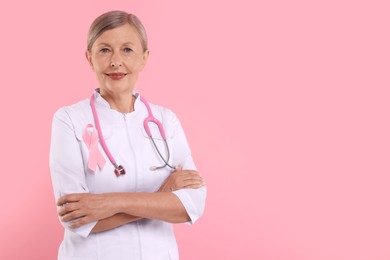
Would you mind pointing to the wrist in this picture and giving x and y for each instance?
(118, 202)
(112, 202)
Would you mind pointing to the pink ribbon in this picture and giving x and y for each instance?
(95, 156)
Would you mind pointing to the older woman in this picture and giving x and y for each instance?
(119, 176)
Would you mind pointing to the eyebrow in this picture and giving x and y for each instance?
(126, 43)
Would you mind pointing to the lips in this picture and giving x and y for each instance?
(116, 75)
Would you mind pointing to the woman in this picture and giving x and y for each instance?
(111, 210)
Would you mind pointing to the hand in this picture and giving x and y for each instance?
(83, 208)
(182, 179)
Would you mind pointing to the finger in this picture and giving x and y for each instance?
(194, 186)
(79, 222)
(193, 182)
(183, 173)
(67, 208)
(68, 198)
(190, 186)
(185, 183)
(72, 215)
(187, 171)
(189, 176)
(179, 168)
(190, 173)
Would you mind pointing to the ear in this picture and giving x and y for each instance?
(89, 58)
(145, 57)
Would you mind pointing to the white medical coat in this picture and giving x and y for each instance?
(130, 146)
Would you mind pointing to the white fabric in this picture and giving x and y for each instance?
(130, 146)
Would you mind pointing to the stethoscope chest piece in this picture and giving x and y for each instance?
(119, 170)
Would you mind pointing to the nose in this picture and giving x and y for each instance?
(116, 61)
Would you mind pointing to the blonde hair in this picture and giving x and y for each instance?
(114, 19)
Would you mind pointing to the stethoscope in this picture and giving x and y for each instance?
(119, 169)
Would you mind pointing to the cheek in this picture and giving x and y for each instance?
(99, 63)
(135, 65)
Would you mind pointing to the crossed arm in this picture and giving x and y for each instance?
(115, 209)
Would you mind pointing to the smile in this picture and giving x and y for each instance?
(116, 75)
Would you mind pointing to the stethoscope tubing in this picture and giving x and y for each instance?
(98, 128)
(153, 168)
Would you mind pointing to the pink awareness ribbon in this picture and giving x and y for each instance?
(95, 156)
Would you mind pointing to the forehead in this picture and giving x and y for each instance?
(120, 35)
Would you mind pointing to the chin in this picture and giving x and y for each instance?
(119, 87)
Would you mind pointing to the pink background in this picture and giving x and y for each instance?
(285, 104)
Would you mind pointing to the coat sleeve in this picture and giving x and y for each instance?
(66, 163)
(193, 199)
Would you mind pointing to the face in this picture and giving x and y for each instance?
(117, 58)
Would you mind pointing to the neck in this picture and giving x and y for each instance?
(121, 102)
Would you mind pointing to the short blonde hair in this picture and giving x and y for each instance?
(114, 19)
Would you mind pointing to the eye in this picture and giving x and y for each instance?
(127, 50)
(105, 50)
